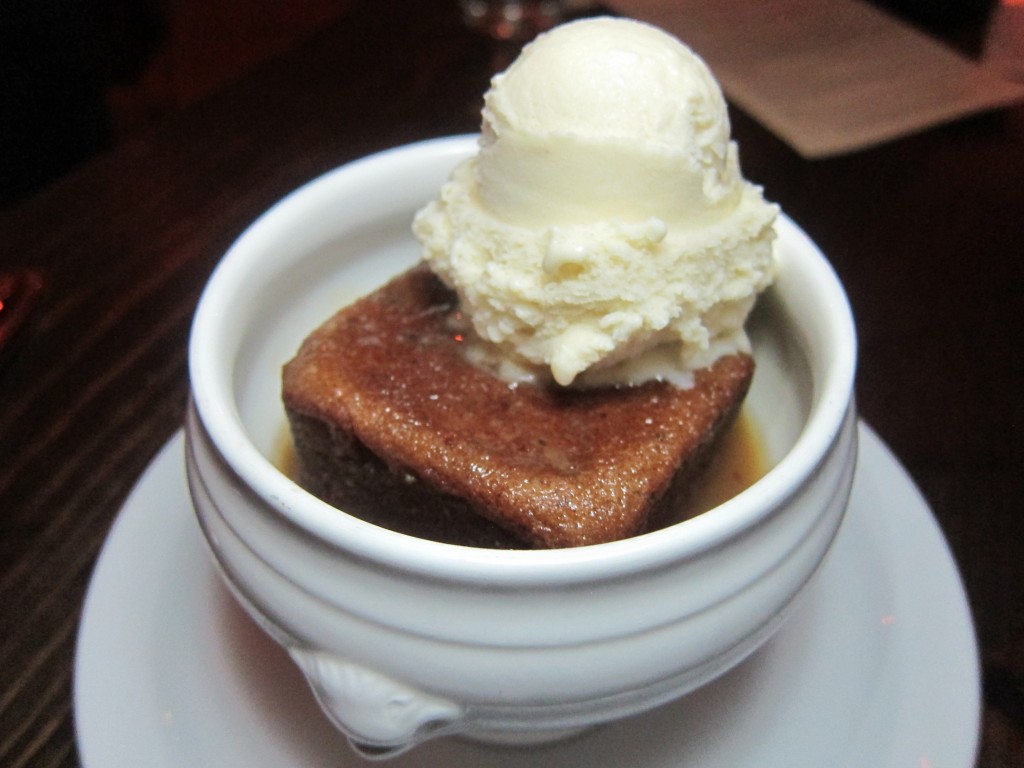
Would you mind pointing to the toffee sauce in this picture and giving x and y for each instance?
(737, 462)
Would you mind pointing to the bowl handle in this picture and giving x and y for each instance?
(380, 716)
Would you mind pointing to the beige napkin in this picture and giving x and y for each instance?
(828, 77)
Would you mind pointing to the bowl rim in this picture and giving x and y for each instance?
(212, 396)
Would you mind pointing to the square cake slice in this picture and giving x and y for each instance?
(392, 423)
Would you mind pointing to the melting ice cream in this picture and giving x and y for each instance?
(603, 232)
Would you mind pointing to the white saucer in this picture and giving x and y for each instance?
(877, 669)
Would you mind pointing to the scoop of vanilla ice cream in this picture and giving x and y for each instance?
(604, 227)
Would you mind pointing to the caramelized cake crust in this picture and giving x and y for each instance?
(392, 424)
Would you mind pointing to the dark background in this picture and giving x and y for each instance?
(77, 76)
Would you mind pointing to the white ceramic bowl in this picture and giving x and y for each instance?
(403, 639)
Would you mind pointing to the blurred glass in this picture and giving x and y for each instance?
(512, 20)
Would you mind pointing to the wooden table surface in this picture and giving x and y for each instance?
(927, 234)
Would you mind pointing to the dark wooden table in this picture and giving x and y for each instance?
(927, 233)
